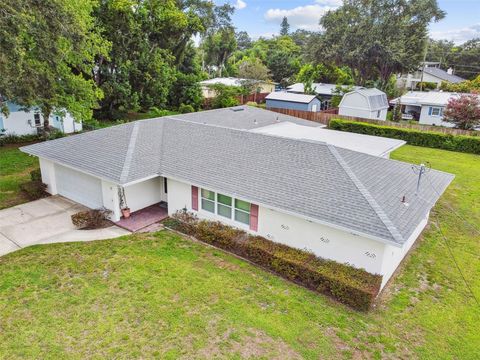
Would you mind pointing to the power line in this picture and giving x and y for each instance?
(453, 210)
(456, 263)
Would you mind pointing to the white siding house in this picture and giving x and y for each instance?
(23, 122)
(364, 103)
(425, 107)
(292, 101)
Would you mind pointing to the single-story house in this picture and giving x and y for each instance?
(340, 204)
(431, 74)
(285, 100)
(365, 103)
(372, 145)
(261, 86)
(27, 122)
(324, 92)
(425, 107)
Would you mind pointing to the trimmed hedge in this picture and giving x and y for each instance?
(21, 139)
(461, 143)
(354, 287)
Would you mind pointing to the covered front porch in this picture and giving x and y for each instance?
(145, 218)
(147, 202)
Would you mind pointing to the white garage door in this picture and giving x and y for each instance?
(79, 187)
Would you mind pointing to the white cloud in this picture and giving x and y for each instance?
(458, 36)
(240, 4)
(303, 17)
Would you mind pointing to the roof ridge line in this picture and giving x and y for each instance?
(129, 154)
(366, 194)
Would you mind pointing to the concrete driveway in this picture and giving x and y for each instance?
(46, 221)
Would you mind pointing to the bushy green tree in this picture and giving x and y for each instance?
(186, 90)
(284, 27)
(151, 47)
(47, 53)
(467, 86)
(226, 96)
(377, 38)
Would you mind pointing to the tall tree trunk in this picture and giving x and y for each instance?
(46, 111)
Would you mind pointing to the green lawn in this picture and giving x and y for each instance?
(161, 296)
(15, 168)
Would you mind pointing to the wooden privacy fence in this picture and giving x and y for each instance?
(324, 117)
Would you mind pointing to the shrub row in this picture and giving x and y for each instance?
(20, 139)
(462, 143)
(354, 287)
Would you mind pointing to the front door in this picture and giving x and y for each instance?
(164, 191)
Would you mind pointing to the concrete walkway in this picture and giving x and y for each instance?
(46, 221)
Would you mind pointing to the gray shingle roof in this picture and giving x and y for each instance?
(290, 97)
(343, 188)
(377, 98)
(443, 75)
(241, 117)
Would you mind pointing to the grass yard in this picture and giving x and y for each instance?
(15, 168)
(158, 295)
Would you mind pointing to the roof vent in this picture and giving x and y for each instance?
(236, 109)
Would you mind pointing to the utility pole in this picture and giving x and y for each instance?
(419, 170)
(423, 67)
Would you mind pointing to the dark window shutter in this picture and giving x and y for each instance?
(253, 217)
(195, 198)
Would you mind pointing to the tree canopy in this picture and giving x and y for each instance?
(47, 56)
(284, 27)
(377, 38)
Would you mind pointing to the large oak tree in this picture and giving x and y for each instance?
(47, 52)
(377, 38)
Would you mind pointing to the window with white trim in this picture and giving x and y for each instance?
(36, 118)
(208, 201)
(242, 211)
(436, 111)
(225, 206)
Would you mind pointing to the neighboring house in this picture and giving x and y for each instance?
(22, 122)
(340, 204)
(261, 86)
(324, 92)
(365, 103)
(431, 74)
(425, 107)
(285, 100)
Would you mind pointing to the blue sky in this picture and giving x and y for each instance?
(262, 17)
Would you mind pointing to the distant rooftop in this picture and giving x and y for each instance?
(228, 81)
(292, 97)
(443, 75)
(319, 88)
(419, 98)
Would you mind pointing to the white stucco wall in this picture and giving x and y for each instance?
(432, 120)
(111, 200)
(393, 255)
(143, 194)
(323, 241)
(47, 170)
(17, 123)
(296, 232)
(179, 196)
(69, 125)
